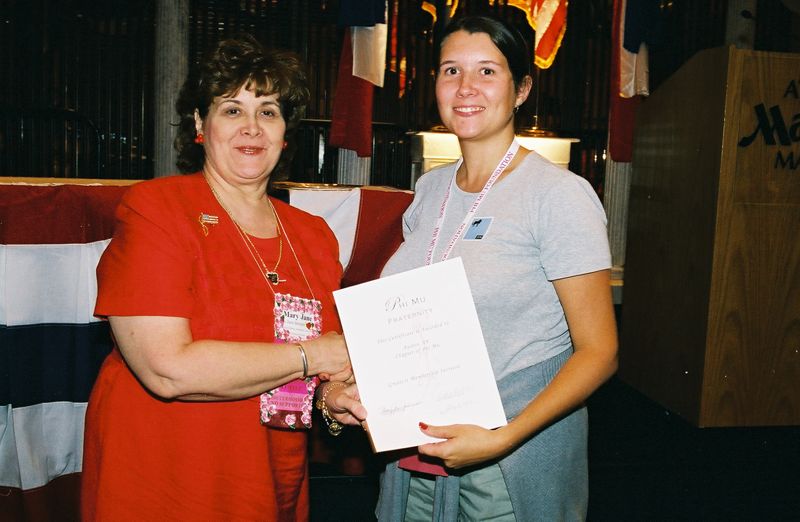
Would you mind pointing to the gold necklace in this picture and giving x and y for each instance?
(270, 276)
(282, 231)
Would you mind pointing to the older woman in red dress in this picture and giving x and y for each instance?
(220, 303)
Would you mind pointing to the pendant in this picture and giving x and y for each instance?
(273, 278)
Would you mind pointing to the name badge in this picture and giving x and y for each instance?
(290, 406)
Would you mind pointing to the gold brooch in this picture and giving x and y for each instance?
(207, 219)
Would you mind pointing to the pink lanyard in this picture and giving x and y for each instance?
(507, 158)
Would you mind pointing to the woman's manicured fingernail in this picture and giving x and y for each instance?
(423, 426)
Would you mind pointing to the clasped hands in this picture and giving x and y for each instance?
(330, 358)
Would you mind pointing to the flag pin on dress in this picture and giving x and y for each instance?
(207, 219)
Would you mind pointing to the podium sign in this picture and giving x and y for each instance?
(711, 318)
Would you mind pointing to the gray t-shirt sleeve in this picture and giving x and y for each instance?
(570, 229)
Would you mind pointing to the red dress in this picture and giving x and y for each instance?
(151, 459)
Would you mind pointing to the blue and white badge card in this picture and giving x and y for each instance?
(478, 229)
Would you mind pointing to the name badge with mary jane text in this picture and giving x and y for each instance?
(289, 406)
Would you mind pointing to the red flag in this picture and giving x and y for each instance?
(622, 111)
(378, 233)
(351, 123)
(549, 19)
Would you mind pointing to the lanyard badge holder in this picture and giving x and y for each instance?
(289, 406)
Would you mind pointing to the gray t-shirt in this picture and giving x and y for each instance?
(537, 224)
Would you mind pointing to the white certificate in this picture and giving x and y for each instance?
(418, 354)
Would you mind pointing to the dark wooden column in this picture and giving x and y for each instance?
(171, 66)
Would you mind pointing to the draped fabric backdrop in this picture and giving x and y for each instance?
(51, 346)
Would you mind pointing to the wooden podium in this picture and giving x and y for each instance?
(711, 316)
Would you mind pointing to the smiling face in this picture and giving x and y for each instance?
(475, 89)
(243, 136)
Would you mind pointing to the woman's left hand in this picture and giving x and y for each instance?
(466, 444)
(344, 404)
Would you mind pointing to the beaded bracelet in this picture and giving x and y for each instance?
(334, 426)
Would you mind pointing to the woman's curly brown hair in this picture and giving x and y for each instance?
(237, 63)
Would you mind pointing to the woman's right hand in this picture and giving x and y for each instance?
(344, 405)
(328, 357)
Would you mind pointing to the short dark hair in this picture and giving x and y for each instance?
(241, 62)
(505, 37)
